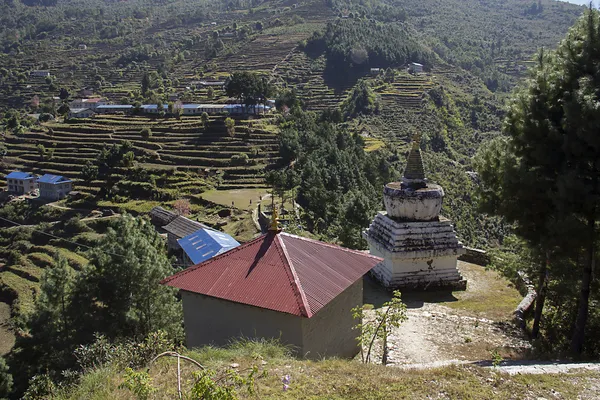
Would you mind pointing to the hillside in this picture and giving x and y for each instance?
(322, 56)
(336, 379)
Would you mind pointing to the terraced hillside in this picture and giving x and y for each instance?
(183, 151)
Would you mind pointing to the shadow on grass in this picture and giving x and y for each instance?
(377, 295)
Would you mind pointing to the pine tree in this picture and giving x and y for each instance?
(546, 175)
(126, 269)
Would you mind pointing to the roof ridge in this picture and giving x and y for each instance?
(334, 246)
(296, 284)
(210, 260)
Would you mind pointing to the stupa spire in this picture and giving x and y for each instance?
(414, 173)
(274, 226)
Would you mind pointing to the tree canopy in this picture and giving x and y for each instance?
(545, 174)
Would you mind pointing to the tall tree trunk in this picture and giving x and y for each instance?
(541, 298)
(584, 292)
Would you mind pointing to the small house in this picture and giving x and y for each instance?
(416, 68)
(91, 103)
(277, 286)
(160, 217)
(54, 187)
(114, 108)
(21, 182)
(178, 228)
(153, 108)
(81, 113)
(204, 244)
(82, 47)
(40, 73)
(375, 71)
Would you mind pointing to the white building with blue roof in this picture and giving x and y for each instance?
(21, 182)
(204, 244)
(54, 187)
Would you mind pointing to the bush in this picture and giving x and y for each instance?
(146, 133)
(239, 159)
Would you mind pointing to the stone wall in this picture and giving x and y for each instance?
(475, 256)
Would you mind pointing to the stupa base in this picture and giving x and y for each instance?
(417, 255)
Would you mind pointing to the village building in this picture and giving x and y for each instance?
(204, 244)
(54, 187)
(40, 73)
(277, 286)
(416, 68)
(114, 108)
(418, 246)
(82, 47)
(178, 228)
(21, 182)
(91, 103)
(375, 71)
(80, 113)
(161, 217)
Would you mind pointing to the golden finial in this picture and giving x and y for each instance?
(416, 141)
(274, 227)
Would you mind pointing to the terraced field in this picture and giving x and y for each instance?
(183, 149)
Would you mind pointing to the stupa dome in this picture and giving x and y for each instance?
(413, 199)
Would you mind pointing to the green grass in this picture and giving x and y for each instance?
(7, 338)
(24, 288)
(335, 379)
(372, 144)
(493, 297)
(240, 197)
(135, 206)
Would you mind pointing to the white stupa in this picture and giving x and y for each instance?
(419, 247)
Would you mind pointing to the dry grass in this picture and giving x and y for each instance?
(342, 379)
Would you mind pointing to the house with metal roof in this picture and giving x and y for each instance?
(80, 113)
(54, 187)
(21, 182)
(204, 244)
(178, 228)
(160, 217)
(114, 108)
(280, 286)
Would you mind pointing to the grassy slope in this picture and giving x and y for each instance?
(340, 379)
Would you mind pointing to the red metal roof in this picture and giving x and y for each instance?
(279, 272)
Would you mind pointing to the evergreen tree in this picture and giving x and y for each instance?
(546, 176)
(6, 380)
(124, 282)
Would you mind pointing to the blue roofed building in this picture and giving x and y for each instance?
(21, 182)
(54, 187)
(204, 244)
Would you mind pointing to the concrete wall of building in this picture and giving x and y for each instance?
(55, 191)
(20, 186)
(209, 320)
(329, 332)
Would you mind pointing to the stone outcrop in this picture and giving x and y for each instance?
(419, 247)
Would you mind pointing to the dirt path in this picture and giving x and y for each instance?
(456, 327)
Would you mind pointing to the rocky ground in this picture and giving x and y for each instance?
(446, 327)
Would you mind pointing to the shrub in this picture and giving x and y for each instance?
(146, 133)
(239, 159)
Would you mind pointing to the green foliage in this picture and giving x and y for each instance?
(544, 175)
(146, 133)
(6, 380)
(222, 385)
(249, 87)
(391, 315)
(125, 270)
(139, 383)
(339, 188)
(230, 125)
(360, 101)
(353, 46)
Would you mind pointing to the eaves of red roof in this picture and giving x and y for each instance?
(280, 272)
